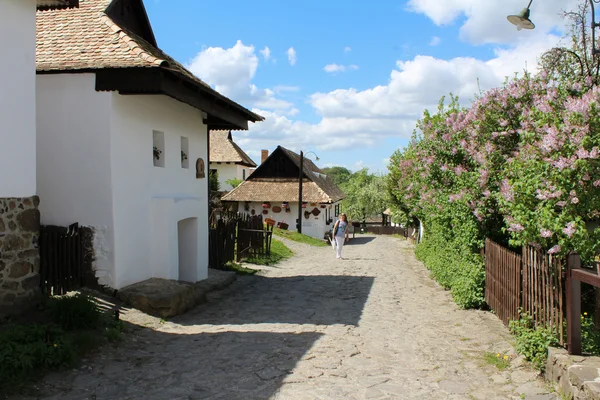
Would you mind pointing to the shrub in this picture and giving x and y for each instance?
(456, 268)
(75, 312)
(26, 348)
(533, 341)
(590, 337)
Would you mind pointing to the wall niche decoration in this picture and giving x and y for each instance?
(200, 174)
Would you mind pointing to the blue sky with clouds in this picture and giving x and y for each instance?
(349, 80)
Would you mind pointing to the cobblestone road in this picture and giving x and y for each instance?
(372, 326)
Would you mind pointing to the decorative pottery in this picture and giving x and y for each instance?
(265, 212)
(306, 214)
(316, 211)
(276, 209)
(253, 212)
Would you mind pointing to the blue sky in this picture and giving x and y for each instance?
(347, 81)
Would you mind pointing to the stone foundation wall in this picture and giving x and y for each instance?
(19, 254)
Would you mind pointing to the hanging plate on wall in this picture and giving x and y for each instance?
(276, 209)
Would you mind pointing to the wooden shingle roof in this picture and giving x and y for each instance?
(224, 149)
(316, 187)
(115, 35)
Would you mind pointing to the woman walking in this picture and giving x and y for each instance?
(340, 234)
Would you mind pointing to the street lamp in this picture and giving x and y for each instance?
(299, 224)
(522, 21)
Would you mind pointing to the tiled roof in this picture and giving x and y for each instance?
(86, 38)
(320, 189)
(224, 149)
(277, 190)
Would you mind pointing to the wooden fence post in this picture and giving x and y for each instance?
(573, 306)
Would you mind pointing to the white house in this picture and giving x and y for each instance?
(19, 217)
(123, 141)
(228, 159)
(273, 190)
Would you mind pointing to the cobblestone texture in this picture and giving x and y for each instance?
(372, 326)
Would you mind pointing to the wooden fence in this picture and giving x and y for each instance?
(234, 236)
(61, 259)
(532, 281)
(502, 281)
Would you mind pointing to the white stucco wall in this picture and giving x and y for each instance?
(312, 226)
(17, 98)
(149, 201)
(73, 160)
(229, 171)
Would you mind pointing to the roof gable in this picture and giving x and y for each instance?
(276, 179)
(224, 149)
(131, 14)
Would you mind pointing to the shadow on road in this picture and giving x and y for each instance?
(360, 240)
(314, 299)
(158, 365)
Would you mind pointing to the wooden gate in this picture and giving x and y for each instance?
(61, 259)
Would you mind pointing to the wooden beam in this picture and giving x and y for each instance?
(139, 81)
(181, 91)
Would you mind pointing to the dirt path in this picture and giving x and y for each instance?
(372, 326)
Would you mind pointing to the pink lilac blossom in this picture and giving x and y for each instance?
(546, 233)
(596, 183)
(569, 230)
(554, 250)
(516, 228)
(561, 203)
(575, 200)
(506, 191)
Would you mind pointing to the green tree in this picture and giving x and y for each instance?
(234, 182)
(366, 195)
(214, 180)
(339, 175)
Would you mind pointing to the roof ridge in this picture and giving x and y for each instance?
(126, 37)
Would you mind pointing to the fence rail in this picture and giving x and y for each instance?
(61, 259)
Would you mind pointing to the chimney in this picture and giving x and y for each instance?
(264, 154)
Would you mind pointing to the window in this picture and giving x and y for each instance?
(158, 148)
(185, 152)
(244, 174)
(337, 210)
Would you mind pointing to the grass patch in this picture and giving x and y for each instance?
(69, 327)
(279, 252)
(299, 237)
(238, 269)
(398, 236)
(497, 360)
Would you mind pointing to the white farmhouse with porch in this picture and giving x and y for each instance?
(273, 188)
(228, 159)
(122, 141)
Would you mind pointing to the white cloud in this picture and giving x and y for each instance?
(266, 53)
(347, 49)
(485, 21)
(231, 71)
(333, 68)
(435, 41)
(292, 57)
(351, 118)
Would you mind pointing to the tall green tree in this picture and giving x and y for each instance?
(339, 175)
(366, 195)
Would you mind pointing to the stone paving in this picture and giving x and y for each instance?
(371, 326)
